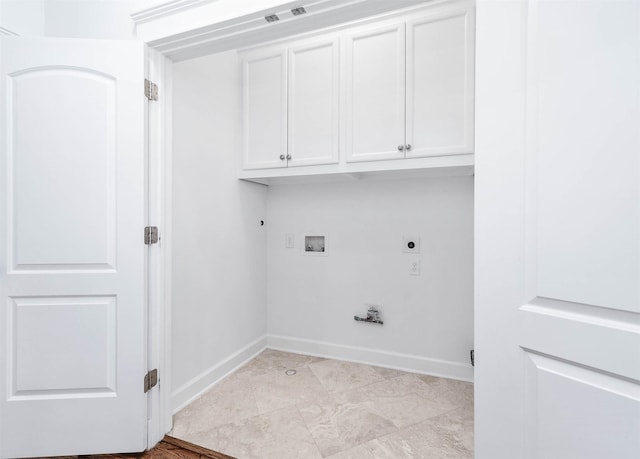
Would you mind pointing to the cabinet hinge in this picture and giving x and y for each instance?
(150, 90)
(150, 380)
(151, 235)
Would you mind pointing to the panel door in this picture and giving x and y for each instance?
(72, 275)
(264, 137)
(557, 230)
(314, 97)
(440, 78)
(374, 93)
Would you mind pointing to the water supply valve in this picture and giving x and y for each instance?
(373, 316)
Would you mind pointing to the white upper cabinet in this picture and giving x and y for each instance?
(440, 60)
(264, 137)
(374, 93)
(314, 97)
(387, 95)
(291, 105)
(409, 88)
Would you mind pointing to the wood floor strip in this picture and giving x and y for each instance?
(168, 448)
(186, 446)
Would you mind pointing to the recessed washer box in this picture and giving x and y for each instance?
(316, 244)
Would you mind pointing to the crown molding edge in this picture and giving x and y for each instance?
(7, 32)
(166, 9)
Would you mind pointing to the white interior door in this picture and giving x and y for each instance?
(73, 280)
(557, 229)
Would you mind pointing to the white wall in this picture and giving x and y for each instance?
(22, 17)
(219, 283)
(100, 19)
(88, 19)
(428, 318)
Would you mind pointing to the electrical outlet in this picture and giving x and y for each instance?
(414, 268)
(410, 244)
(289, 241)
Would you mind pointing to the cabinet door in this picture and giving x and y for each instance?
(440, 59)
(264, 137)
(374, 93)
(314, 104)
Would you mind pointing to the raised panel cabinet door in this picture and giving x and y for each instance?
(264, 135)
(440, 79)
(72, 254)
(557, 230)
(314, 96)
(374, 93)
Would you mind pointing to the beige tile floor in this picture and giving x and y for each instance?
(331, 409)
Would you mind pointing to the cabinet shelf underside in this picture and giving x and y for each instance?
(440, 166)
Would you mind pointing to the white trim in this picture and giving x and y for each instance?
(376, 357)
(159, 214)
(7, 32)
(210, 27)
(166, 9)
(167, 240)
(209, 378)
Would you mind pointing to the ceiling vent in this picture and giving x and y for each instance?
(298, 11)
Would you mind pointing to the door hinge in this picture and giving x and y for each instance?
(151, 235)
(150, 90)
(150, 380)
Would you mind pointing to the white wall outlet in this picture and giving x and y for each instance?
(414, 268)
(289, 241)
(410, 244)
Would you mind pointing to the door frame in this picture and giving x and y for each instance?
(159, 186)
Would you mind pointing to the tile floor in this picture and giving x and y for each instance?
(330, 409)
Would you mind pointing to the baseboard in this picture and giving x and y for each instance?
(188, 392)
(398, 361)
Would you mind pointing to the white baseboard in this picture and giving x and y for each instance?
(188, 392)
(376, 357)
